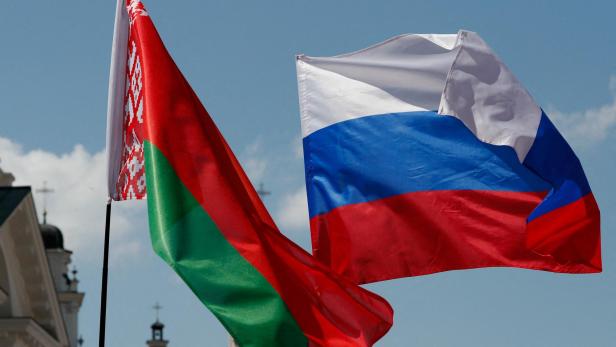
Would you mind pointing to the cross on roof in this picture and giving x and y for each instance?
(44, 190)
(157, 307)
(262, 192)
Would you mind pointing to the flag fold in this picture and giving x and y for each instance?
(424, 153)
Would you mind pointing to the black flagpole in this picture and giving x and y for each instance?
(101, 333)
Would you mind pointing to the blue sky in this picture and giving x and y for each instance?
(239, 58)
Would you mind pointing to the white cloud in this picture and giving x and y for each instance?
(298, 147)
(590, 126)
(77, 205)
(292, 215)
(128, 249)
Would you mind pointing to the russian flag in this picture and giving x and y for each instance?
(424, 153)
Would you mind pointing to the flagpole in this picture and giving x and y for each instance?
(103, 309)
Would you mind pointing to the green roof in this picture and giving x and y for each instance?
(10, 197)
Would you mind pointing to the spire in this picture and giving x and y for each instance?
(157, 330)
(44, 190)
(157, 308)
(262, 192)
(74, 281)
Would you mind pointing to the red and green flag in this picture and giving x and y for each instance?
(206, 219)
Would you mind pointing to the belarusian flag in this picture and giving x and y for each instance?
(206, 220)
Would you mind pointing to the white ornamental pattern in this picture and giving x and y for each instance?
(135, 8)
(131, 184)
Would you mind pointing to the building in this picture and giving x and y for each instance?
(157, 339)
(39, 298)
